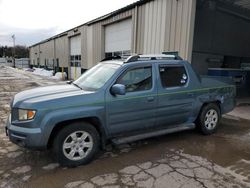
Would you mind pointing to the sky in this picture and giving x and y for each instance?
(34, 20)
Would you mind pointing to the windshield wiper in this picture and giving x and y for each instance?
(76, 85)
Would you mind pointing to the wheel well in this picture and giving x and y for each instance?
(217, 102)
(59, 126)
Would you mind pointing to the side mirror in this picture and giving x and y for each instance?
(118, 89)
(69, 82)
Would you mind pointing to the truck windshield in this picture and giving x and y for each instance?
(96, 77)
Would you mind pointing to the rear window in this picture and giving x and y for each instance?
(173, 76)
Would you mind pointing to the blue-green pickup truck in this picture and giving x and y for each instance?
(118, 101)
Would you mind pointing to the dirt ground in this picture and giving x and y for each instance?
(186, 159)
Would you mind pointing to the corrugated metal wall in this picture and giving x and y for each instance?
(32, 55)
(160, 25)
(96, 36)
(157, 26)
(166, 25)
(46, 52)
(62, 51)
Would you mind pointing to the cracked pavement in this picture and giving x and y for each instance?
(175, 170)
(185, 159)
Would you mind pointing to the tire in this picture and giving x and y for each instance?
(209, 119)
(76, 144)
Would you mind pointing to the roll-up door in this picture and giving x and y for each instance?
(118, 38)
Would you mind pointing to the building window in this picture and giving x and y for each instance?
(122, 54)
(109, 54)
(75, 60)
(138, 79)
(173, 75)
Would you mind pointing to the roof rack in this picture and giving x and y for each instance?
(163, 56)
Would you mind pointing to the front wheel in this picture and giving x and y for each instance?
(76, 144)
(209, 119)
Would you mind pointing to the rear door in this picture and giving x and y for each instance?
(175, 99)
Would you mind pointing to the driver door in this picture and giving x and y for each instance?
(134, 111)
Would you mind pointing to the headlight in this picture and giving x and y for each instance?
(26, 114)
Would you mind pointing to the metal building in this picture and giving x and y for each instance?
(209, 33)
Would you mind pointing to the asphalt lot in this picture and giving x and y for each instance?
(185, 159)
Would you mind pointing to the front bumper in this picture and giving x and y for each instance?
(31, 138)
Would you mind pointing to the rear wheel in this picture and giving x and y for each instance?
(209, 119)
(76, 144)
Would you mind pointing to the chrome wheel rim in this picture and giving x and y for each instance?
(211, 119)
(77, 145)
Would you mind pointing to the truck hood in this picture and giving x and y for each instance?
(48, 93)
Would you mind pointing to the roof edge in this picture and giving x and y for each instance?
(123, 9)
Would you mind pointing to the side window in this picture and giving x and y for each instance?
(173, 76)
(138, 79)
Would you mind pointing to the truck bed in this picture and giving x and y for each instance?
(216, 81)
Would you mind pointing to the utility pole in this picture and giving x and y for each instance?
(14, 50)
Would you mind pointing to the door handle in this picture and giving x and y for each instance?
(150, 99)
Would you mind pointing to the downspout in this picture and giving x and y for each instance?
(192, 14)
(54, 54)
(135, 30)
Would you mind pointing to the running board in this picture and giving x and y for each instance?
(133, 138)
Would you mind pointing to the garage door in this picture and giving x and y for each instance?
(75, 57)
(118, 38)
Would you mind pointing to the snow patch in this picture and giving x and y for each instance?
(43, 72)
(47, 73)
(60, 76)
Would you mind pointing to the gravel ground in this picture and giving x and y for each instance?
(185, 159)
